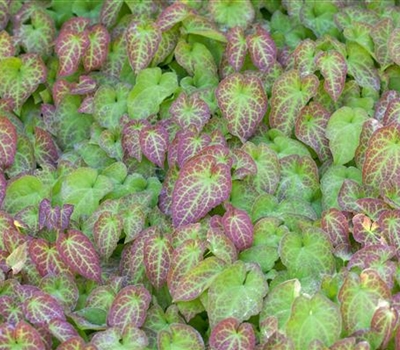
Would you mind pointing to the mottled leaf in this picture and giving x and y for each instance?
(154, 143)
(42, 308)
(243, 103)
(129, 307)
(97, 49)
(238, 227)
(106, 233)
(78, 253)
(172, 15)
(394, 49)
(262, 49)
(236, 48)
(8, 143)
(290, 93)
(22, 335)
(230, 334)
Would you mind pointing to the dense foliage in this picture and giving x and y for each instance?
(219, 174)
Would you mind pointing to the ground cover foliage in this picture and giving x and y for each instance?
(199, 175)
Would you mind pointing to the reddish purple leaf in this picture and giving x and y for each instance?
(236, 48)
(380, 34)
(186, 232)
(365, 231)
(106, 233)
(369, 127)
(62, 330)
(311, 127)
(238, 227)
(22, 334)
(389, 224)
(154, 143)
(157, 259)
(188, 110)
(165, 198)
(394, 48)
(191, 144)
(143, 39)
(4, 13)
(333, 68)
(8, 143)
(129, 307)
(46, 257)
(60, 89)
(172, 15)
(372, 207)
(262, 49)
(203, 183)
(45, 149)
(76, 343)
(383, 103)
(76, 24)
(221, 246)
(70, 48)
(384, 322)
(86, 85)
(392, 113)
(304, 57)
(334, 222)
(131, 138)
(42, 308)
(7, 48)
(97, 49)
(3, 187)
(230, 334)
(109, 12)
(77, 251)
(290, 93)
(243, 103)
(243, 164)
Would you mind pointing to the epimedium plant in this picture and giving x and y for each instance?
(199, 175)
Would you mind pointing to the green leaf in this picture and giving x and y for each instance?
(314, 318)
(152, 87)
(84, 189)
(238, 292)
(180, 337)
(343, 132)
(232, 13)
(23, 192)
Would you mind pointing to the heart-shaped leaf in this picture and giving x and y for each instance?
(290, 93)
(394, 49)
(62, 330)
(180, 337)
(243, 103)
(157, 259)
(143, 39)
(310, 128)
(238, 227)
(106, 233)
(311, 312)
(8, 143)
(7, 48)
(232, 14)
(230, 334)
(238, 292)
(190, 110)
(190, 143)
(129, 307)
(109, 12)
(70, 48)
(262, 49)
(203, 183)
(172, 15)
(42, 308)
(236, 48)
(97, 49)
(78, 253)
(382, 159)
(154, 142)
(22, 335)
(359, 297)
(20, 76)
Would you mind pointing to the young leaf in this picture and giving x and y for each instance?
(382, 160)
(380, 34)
(311, 312)
(180, 337)
(62, 330)
(157, 259)
(238, 227)
(143, 39)
(130, 336)
(106, 233)
(310, 128)
(193, 283)
(359, 297)
(70, 48)
(290, 93)
(79, 255)
(344, 127)
(97, 49)
(8, 143)
(109, 12)
(172, 15)
(191, 143)
(22, 335)
(243, 103)
(262, 49)
(20, 76)
(238, 292)
(188, 110)
(394, 49)
(203, 183)
(236, 48)
(154, 143)
(334, 69)
(129, 307)
(45, 149)
(42, 308)
(334, 222)
(230, 334)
